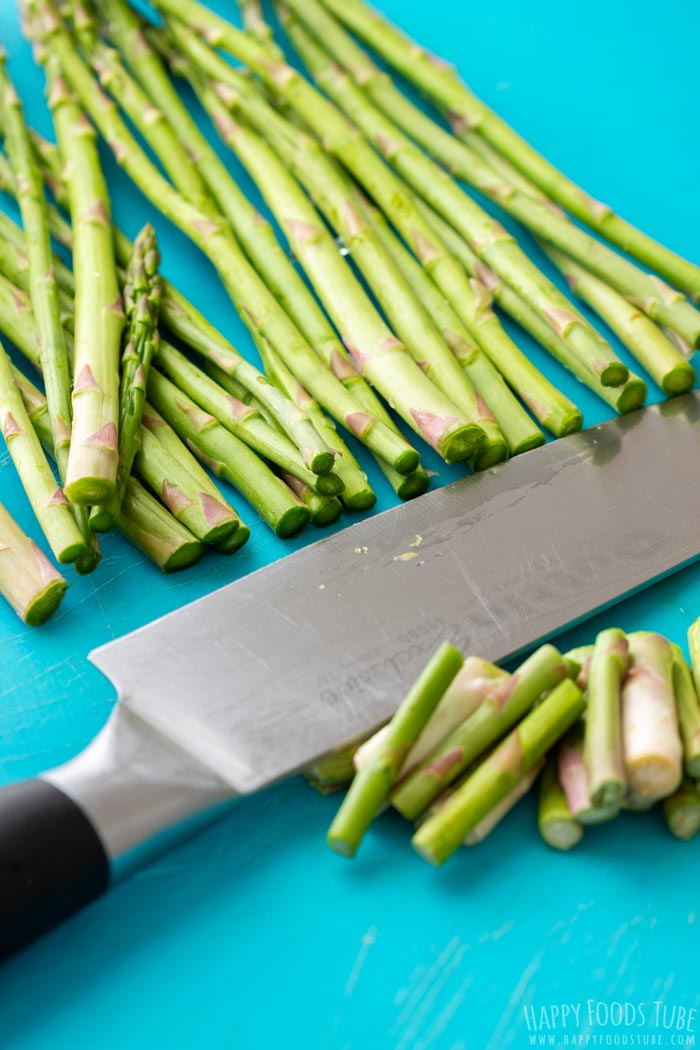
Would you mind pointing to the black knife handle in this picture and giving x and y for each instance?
(52, 862)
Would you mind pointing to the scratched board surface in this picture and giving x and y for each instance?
(253, 934)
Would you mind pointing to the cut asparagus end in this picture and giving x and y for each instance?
(562, 833)
(608, 795)
(101, 519)
(327, 513)
(678, 379)
(406, 461)
(413, 485)
(614, 374)
(461, 442)
(45, 604)
(361, 499)
(494, 451)
(330, 484)
(322, 462)
(653, 776)
(682, 811)
(570, 423)
(291, 522)
(529, 441)
(73, 552)
(234, 542)
(90, 492)
(186, 554)
(632, 396)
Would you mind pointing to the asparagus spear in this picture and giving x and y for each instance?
(576, 784)
(557, 826)
(181, 484)
(603, 743)
(372, 784)
(652, 747)
(504, 705)
(357, 493)
(625, 398)
(438, 837)
(494, 817)
(441, 83)
(682, 811)
(688, 712)
(46, 497)
(256, 235)
(255, 303)
(490, 240)
(228, 457)
(651, 347)
(93, 457)
(153, 529)
(458, 158)
(142, 293)
(578, 661)
(28, 580)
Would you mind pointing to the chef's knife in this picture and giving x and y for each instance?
(255, 681)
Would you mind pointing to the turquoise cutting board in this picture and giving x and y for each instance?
(254, 935)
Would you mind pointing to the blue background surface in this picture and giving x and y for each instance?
(253, 935)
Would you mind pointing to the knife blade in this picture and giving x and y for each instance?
(258, 679)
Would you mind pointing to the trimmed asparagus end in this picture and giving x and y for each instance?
(185, 555)
(330, 484)
(90, 492)
(464, 442)
(322, 463)
(72, 553)
(682, 811)
(632, 396)
(529, 441)
(328, 513)
(363, 499)
(562, 833)
(45, 604)
(614, 374)
(292, 522)
(234, 542)
(679, 379)
(413, 485)
(101, 519)
(494, 451)
(570, 423)
(406, 462)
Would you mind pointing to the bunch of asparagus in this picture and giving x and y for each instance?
(393, 311)
(608, 727)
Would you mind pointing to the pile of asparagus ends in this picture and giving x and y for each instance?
(603, 728)
(375, 301)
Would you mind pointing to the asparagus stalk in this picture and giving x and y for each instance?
(442, 84)
(255, 233)
(688, 708)
(153, 529)
(576, 784)
(642, 337)
(440, 835)
(172, 474)
(93, 457)
(28, 580)
(42, 282)
(142, 293)
(505, 703)
(357, 493)
(47, 498)
(466, 165)
(603, 742)
(682, 811)
(254, 301)
(652, 747)
(557, 826)
(228, 457)
(372, 784)
(490, 240)
(578, 661)
(494, 817)
(551, 408)
(625, 398)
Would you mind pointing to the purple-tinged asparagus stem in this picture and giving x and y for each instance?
(28, 580)
(603, 735)
(438, 837)
(575, 783)
(503, 706)
(652, 746)
(558, 827)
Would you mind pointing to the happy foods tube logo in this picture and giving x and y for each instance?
(595, 1023)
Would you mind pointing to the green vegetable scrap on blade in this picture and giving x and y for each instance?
(601, 729)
